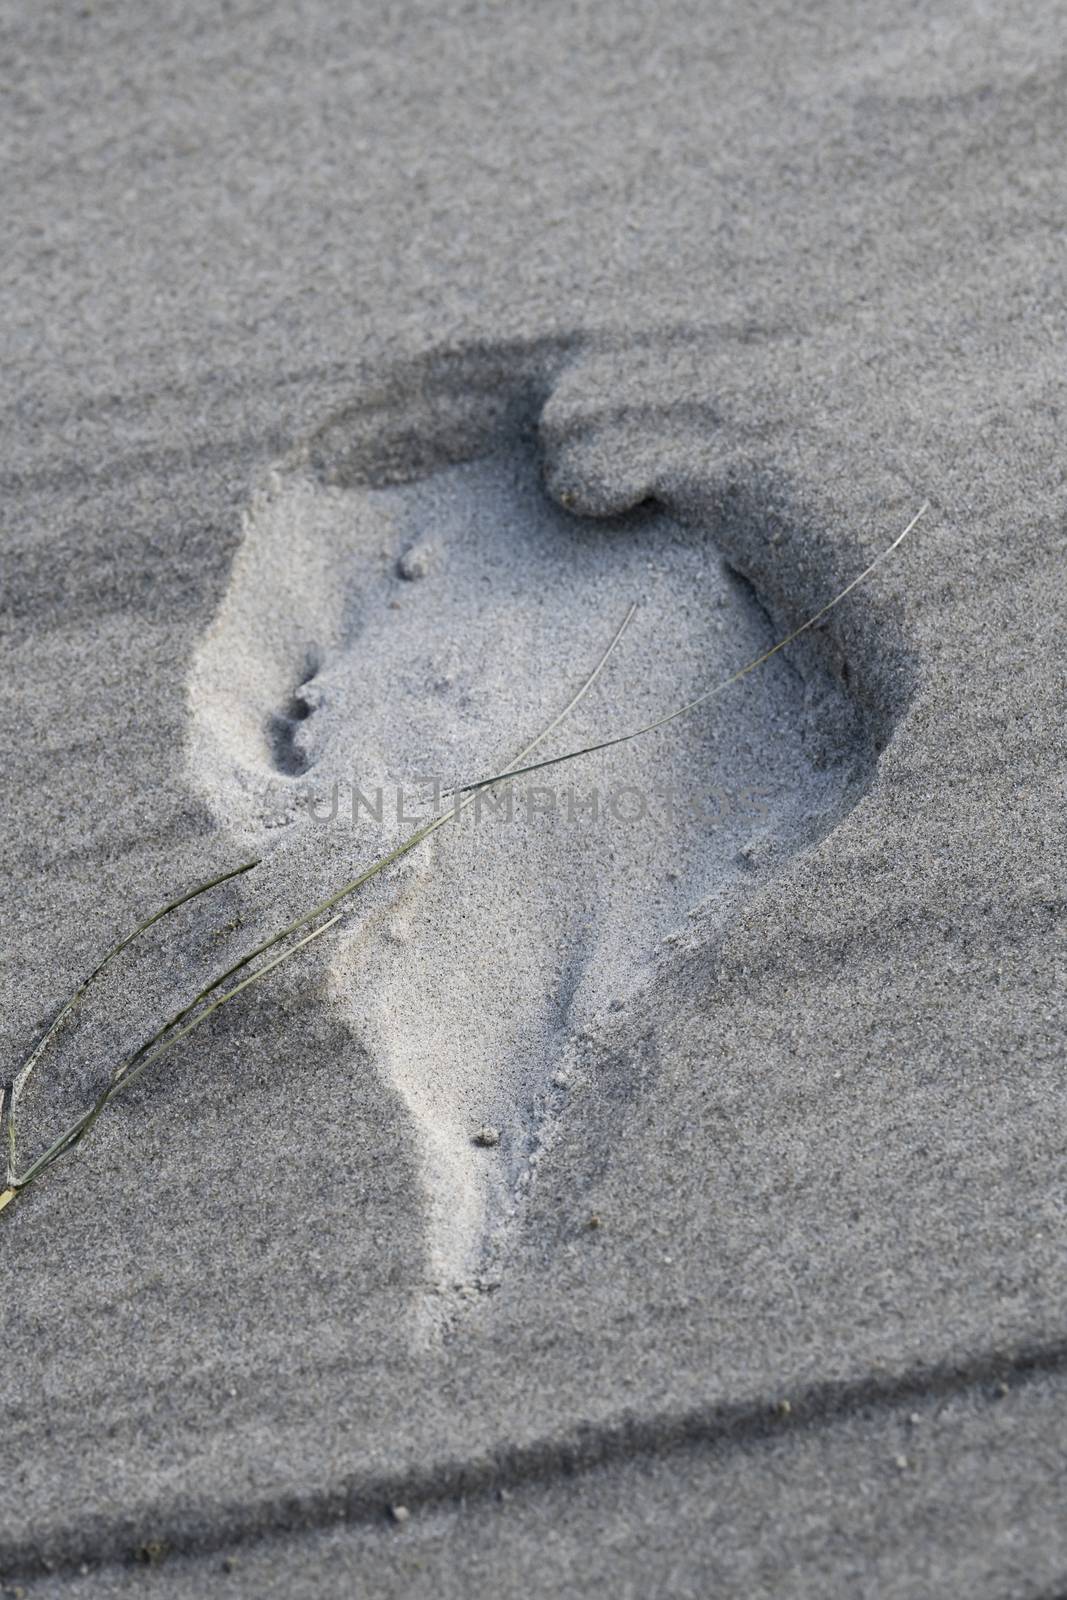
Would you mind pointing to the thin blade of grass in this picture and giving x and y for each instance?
(709, 694)
(9, 1100)
(178, 1027)
(125, 1079)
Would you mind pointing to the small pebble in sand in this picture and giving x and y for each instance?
(914, 1419)
(151, 1553)
(400, 1514)
(416, 562)
(487, 1136)
(901, 1463)
(594, 1221)
(560, 1079)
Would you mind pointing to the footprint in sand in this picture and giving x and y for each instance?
(418, 612)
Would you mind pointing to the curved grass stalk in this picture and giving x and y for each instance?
(9, 1096)
(184, 1022)
(129, 1073)
(709, 694)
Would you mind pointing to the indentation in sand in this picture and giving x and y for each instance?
(379, 633)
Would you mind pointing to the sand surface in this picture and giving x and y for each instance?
(662, 1185)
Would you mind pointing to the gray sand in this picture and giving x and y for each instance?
(362, 370)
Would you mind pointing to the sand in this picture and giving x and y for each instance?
(364, 370)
